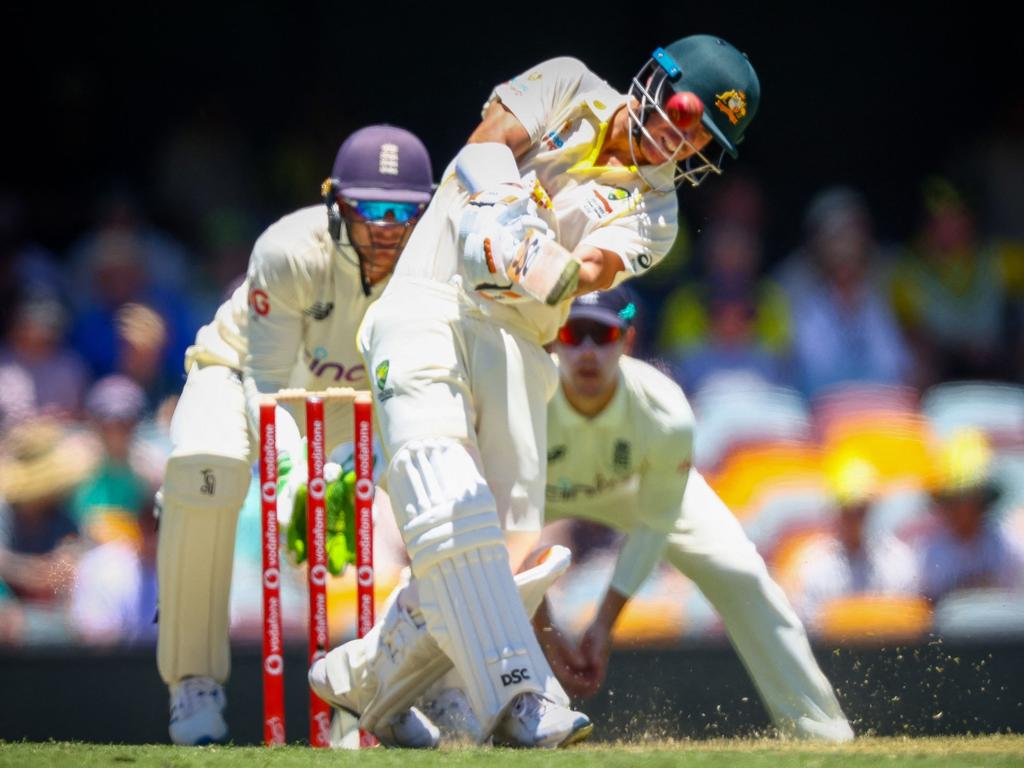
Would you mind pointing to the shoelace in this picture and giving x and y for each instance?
(191, 695)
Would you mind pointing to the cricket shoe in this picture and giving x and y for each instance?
(197, 712)
(535, 721)
(454, 717)
(836, 730)
(410, 729)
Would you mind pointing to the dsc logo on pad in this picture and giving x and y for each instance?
(515, 676)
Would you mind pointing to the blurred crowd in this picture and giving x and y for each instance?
(859, 403)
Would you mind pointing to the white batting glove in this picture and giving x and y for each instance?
(491, 228)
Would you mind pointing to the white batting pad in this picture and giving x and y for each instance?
(385, 672)
(473, 611)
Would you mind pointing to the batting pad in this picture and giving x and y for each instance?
(202, 496)
(472, 610)
(385, 672)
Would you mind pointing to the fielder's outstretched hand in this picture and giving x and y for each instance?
(595, 648)
(340, 499)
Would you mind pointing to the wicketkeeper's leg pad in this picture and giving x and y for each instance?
(448, 519)
(201, 498)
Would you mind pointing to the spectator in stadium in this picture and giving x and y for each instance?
(39, 543)
(731, 321)
(113, 600)
(35, 344)
(950, 295)
(851, 559)
(114, 405)
(843, 329)
(730, 316)
(969, 548)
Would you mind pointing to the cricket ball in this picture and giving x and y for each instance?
(684, 109)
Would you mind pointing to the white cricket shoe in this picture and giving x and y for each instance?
(410, 730)
(534, 721)
(836, 730)
(454, 717)
(197, 712)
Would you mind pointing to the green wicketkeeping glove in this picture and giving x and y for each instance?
(341, 525)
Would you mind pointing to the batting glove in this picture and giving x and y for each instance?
(493, 225)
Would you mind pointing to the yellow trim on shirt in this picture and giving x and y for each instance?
(586, 165)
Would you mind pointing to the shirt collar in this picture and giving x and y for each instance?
(603, 104)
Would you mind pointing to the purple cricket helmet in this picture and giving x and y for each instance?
(384, 162)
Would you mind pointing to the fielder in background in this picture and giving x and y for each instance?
(620, 437)
(566, 186)
(292, 323)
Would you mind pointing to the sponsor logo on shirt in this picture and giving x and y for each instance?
(517, 86)
(565, 490)
(259, 301)
(209, 486)
(321, 367)
(556, 139)
(320, 310)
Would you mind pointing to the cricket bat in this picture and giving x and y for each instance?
(544, 270)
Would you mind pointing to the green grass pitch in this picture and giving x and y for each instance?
(987, 751)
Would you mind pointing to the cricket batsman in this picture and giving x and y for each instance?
(620, 437)
(292, 323)
(566, 186)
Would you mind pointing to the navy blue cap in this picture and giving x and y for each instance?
(615, 307)
(384, 162)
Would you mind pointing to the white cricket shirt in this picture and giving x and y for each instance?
(566, 109)
(625, 468)
(292, 323)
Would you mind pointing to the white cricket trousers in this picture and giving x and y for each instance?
(710, 547)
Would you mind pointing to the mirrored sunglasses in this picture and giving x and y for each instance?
(378, 210)
(574, 332)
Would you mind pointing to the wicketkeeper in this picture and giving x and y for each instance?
(292, 323)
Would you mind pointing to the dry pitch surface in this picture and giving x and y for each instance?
(987, 751)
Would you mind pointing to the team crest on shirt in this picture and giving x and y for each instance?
(733, 104)
(621, 455)
(556, 453)
(380, 374)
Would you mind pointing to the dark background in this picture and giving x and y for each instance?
(877, 95)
